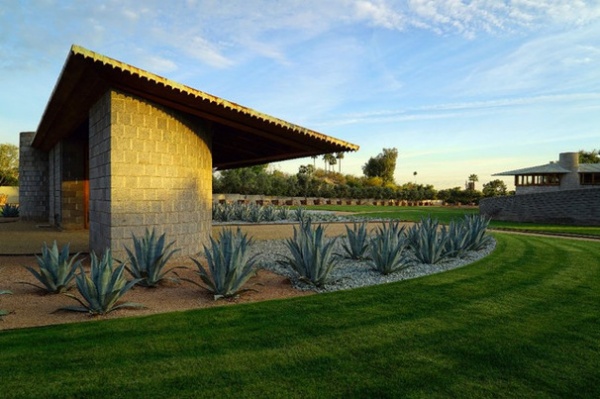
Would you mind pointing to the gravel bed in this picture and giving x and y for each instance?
(315, 215)
(353, 273)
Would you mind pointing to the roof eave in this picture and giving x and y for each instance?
(92, 74)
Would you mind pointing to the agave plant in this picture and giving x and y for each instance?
(283, 213)
(2, 311)
(56, 270)
(149, 258)
(428, 241)
(356, 244)
(10, 211)
(311, 256)
(255, 213)
(269, 214)
(229, 266)
(389, 250)
(241, 212)
(301, 215)
(456, 244)
(103, 288)
(475, 227)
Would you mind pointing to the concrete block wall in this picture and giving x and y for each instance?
(33, 180)
(99, 174)
(153, 168)
(579, 207)
(54, 185)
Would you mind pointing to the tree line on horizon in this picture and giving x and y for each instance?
(377, 182)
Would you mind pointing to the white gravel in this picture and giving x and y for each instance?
(353, 273)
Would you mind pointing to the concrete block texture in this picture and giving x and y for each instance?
(33, 180)
(149, 167)
(577, 207)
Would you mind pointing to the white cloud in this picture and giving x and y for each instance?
(471, 18)
(158, 64)
(379, 14)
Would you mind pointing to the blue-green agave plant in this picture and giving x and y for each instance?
(149, 257)
(312, 255)
(103, 288)
(56, 270)
(229, 266)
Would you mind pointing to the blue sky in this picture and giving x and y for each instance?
(457, 86)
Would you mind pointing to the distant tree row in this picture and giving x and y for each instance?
(312, 182)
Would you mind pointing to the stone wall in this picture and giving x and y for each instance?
(578, 207)
(33, 180)
(149, 167)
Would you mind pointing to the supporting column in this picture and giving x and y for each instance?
(33, 180)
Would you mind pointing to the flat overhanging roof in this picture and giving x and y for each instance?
(551, 168)
(241, 136)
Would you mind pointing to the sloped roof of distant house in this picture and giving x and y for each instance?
(589, 168)
(551, 168)
(535, 170)
(241, 136)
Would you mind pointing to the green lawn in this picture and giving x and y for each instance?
(446, 214)
(522, 322)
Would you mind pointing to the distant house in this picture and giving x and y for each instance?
(565, 174)
(119, 149)
(558, 192)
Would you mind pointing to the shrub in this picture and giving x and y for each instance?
(428, 241)
(149, 258)
(388, 249)
(312, 258)
(356, 244)
(10, 211)
(229, 267)
(102, 288)
(56, 270)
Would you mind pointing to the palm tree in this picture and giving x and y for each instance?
(415, 175)
(314, 158)
(472, 179)
(339, 156)
(332, 162)
(329, 160)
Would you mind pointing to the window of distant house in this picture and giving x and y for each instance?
(546, 179)
(589, 179)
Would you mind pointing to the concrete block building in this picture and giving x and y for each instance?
(565, 174)
(119, 149)
(563, 192)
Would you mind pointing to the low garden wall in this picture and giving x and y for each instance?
(578, 207)
(298, 201)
